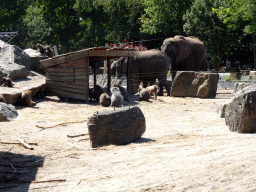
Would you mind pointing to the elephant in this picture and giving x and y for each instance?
(186, 53)
(145, 66)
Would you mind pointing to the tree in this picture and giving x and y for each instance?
(12, 12)
(241, 14)
(164, 16)
(63, 19)
(202, 22)
(35, 29)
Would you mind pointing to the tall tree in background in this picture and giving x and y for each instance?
(164, 16)
(202, 22)
(36, 29)
(11, 13)
(241, 15)
(63, 20)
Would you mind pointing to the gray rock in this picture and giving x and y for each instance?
(195, 84)
(35, 58)
(240, 86)
(12, 70)
(240, 113)
(221, 110)
(118, 126)
(13, 54)
(7, 112)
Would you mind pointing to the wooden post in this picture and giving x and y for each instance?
(128, 75)
(109, 75)
(55, 50)
(105, 63)
(94, 72)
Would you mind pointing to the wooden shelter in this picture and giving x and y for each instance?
(67, 75)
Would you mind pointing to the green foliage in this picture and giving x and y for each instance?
(228, 78)
(164, 16)
(35, 27)
(202, 22)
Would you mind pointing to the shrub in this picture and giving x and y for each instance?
(228, 78)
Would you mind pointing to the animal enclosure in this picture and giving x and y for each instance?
(67, 75)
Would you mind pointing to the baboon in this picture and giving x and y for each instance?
(117, 99)
(153, 89)
(144, 94)
(2, 98)
(123, 92)
(40, 48)
(7, 82)
(48, 51)
(95, 93)
(26, 98)
(45, 50)
(105, 100)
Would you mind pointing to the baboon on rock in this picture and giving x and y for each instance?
(105, 100)
(26, 98)
(2, 98)
(117, 99)
(45, 50)
(49, 51)
(144, 94)
(7, 82)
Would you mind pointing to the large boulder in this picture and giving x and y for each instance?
(195, 84)
(35, 58)
(12, 70)
(13, 54)
(240, 86)
(240, 112)
(118, 126)
(7, 112)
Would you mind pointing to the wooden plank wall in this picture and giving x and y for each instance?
(69, 79)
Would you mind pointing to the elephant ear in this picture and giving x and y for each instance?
(185, 50)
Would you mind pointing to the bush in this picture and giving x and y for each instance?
(228, 78)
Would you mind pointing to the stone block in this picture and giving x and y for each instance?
(7, 112)
(118, 126)
(13, 54)
(240, 113)
(195, 84)
(35, 58)
(12, 70)
(240, 86)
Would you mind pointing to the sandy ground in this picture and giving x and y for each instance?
(186, 147)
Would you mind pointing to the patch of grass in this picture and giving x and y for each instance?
(228, 78)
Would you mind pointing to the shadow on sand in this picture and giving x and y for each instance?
(17, 171)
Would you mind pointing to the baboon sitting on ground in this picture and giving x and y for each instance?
(95, 93)
(117, 99)
(123, 92)
(153, 89)
(144, 94)
(26, 98)
(7, 82)
(105, 100)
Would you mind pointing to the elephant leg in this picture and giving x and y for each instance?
(168, 88)
(145, 84)
(161, 89)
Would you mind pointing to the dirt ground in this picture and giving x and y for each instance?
(186, 147)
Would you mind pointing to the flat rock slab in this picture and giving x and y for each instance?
(7, 112)
(33, 82)
(118, 126)
(240, 112)
(195, 84)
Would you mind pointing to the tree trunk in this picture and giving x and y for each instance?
(254, 49)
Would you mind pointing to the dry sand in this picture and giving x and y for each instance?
(186, 147)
